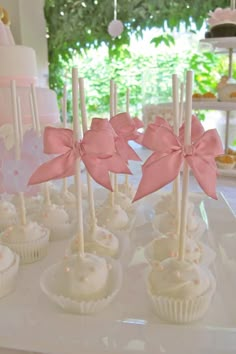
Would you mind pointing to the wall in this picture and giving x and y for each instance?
(29, 29)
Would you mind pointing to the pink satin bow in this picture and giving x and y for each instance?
(96, 150)
(163, 166)
(126, 129)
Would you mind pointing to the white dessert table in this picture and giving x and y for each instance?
(30, 323)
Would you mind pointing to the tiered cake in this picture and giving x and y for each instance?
(19, 63)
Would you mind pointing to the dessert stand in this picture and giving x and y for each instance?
(31, 322)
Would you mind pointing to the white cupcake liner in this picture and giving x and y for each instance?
(30, 251)
(194, 234)
(182, 311)
(225, 166)
(123, 255)
(207, 257)
(61, 231)
(51, 285)
(8, 277)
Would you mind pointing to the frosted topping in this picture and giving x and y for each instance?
(179, 279)
(7, 210)
(64, 198)
(127, 189)
(104, 242)
(166, 247)
(23, 233)
(6, 257)
(84, 189)
(116, 218)
(167, 204)
(54, 215)
(220, 16)
(87, 277)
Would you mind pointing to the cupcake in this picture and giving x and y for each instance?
(113, 218)
(232, 153)
(222, 23)
(209, 96)
(167, 246)
(29, 241)
(67, 200)
(225, 161)
(56, 220)
(197, 97)
(8, 214)
(82, 283)
(9, 265)
(181, 291)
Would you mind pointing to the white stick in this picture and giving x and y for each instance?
(176, 183)
(36, 111)
(181, 104)
(232, 4)
(112, 194)
(77, 137)
(115, 112)
(20, 125)
(85, 128)
(64, 120)
(32, 112)
(127, 100)
(17, 148)
(185, 185)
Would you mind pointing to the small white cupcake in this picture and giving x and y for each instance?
(127, 189)
(29, 241)
(32, 204)
(181, 291)
(165, 247)
(8, 214)
(166, 223)
(226, 162)
(68, 201)
(82, 283)
(9, 265)
(84, 187)
(56, 219)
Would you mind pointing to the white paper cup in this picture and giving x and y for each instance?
(182, 311)
(30, 251)
(52, 285)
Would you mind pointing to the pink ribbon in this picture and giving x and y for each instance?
(163, 166)
(96, 150)
(126, 129)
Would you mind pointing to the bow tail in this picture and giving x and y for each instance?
(157, 173)
(98, 170)
(125, 151)
(116, 164)
(205, 172)
(59, 167)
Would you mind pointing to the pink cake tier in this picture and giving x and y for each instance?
(47, 105)
(19, 63)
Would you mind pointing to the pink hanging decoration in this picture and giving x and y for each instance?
(95, 150)
(163, 166)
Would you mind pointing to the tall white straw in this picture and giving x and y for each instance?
(127, 110)
(185, 184)
(17, 148)
(176, 183)
(20, 125)
(32, 112)
(85, 128)
(64, 120)
(112, 194)
(77, 137)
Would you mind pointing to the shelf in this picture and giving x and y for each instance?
(205, 105)
(218, 44)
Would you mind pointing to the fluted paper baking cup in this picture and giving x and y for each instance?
(182, 311)
(51, 285)
(8, 277)
(207, 256)
(30, 251)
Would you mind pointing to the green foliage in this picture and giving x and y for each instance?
(74, 26)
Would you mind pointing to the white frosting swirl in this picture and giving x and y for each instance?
(7, 257)
(168, 246)
(103, 242)
(127, 189)
(179, 279)
(64, 198)
(116, 218)
(53, 215)
(23, 233)
(87, 276)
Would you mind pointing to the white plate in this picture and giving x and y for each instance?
(29, 321)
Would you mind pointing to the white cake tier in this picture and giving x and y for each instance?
(47, 105)
(17, 63)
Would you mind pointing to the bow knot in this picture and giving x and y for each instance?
(78, 149)
(188, 150)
